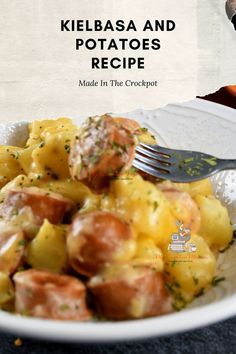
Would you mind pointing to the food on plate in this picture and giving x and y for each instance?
(102, 149)
(9, 165)
(48, 295)
(85, 235)
(41, 204)
(96, 239)
(183, 207)
(143, 205)
(190, 275)
(6, 292)
(11, 247)
(36, 205)
(50, 241)
(128, 292)
(215, 222)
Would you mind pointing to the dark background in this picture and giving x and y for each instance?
(216, 339)
(226, 96)
(219, 338)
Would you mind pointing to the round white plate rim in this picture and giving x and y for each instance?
(130, 330)
(202, 105)
(120, 331)
(210, 107)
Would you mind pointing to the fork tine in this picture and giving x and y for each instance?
(152, 163)
(155, 156)
(159, 149)
(148, 169)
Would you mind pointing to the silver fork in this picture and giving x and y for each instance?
(178, 165)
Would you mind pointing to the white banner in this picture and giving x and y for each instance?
(52, 53)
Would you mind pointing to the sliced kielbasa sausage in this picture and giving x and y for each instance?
(101, 151)
(130, 293)
(49, 295)
(96, 239)
(184, 207)
(42, 204)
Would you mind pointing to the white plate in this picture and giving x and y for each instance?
(198, 125)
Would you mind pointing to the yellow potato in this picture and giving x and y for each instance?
(141, 204)
(6, 290)
(203, 187)
(149, 254)
(38, 127)
(126, 252)
(51, 156)
(190, 273)
(26, 159)
(9, 164)
(146, 138)
(19, 181)
(47, 251)
(73, 190)
(215, 223)
(47, 149)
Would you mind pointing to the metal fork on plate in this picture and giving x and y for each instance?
(178, 165)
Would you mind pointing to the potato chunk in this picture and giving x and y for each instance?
(6, 290)
(9, 164)
(143, 206)
(215, 222)
(148, 254)
(190, 272)
(47, 251)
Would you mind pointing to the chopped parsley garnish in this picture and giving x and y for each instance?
(200, 293)
(211, 161)
(67, 148)
(179, 302)
(155, 205)
(188, 160)
(217, 280)
(93, 159)
(41, 145)
(227, 247)
(143, 129)
(64, 307)
(15, 155)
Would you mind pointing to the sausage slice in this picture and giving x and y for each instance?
(42, 204)
(101, 150)
(130, 293)
(184, 207)
(95, 239)
(129, 124)
(49, 295)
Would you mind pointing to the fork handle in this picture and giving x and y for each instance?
(227, 164)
